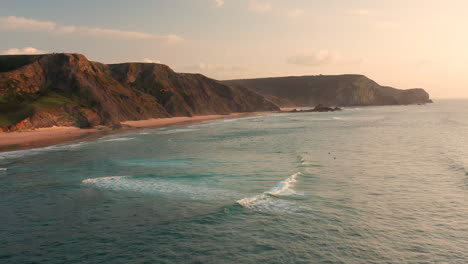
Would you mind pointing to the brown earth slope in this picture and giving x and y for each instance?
(342, 90)
(69, 90)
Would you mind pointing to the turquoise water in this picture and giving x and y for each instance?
(366, 185)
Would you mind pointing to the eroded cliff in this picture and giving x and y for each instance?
(69, 90)
(342, 90)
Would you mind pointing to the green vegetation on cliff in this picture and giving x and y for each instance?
(67, 89)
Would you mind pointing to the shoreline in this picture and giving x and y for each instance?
(43, 137)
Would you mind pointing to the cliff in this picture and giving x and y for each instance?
(69, 90)
(342, 90)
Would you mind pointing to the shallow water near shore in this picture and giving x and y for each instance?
(367, 185)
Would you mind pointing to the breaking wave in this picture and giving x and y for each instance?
(118, 139)
(305, 161)
(271, 199)
(35, 151)
(179, 130)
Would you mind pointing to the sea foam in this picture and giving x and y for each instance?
(155, 186)
(271, 200)
(35, 151)
(118, 139)
(178, 130)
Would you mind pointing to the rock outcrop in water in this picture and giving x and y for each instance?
(342, 90)
(317, 108)
(69, 90)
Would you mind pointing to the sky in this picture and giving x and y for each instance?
(399, 43)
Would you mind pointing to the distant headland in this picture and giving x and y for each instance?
(332, 90)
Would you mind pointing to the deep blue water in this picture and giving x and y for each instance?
(366, 185)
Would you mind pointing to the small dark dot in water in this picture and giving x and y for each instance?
(334, 158)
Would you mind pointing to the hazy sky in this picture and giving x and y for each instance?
(401, 43)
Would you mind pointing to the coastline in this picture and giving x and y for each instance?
(43, 137)
(158, 122)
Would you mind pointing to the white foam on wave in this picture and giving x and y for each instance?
(319, 119)
(118, 139)
(35, 151)
(303, 161)
(103, 179)
(159, 186)
(306, 161)
(285, 187)
(269, 200)
(154, 163)
(252, 117)
(178, 130)
(151, 131)
(215, 123)
(3, 169)
(200, 125)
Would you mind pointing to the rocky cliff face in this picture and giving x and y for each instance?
(343, 90)
(68, 89)
(183, 94)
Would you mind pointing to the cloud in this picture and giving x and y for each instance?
(295, 13)
(218, 3)
(146, 60)
(12, 23)
(173, 38)
(317, 58)
(259, 6)
(321, 58)
(26, 51)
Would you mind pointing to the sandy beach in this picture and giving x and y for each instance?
(174, 120)
(48, 136)
(42, 137)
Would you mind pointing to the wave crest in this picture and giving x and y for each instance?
(269, 199)
(118, 139)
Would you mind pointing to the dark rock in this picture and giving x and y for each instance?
(322, 108)
(318, 108)
(116, 126)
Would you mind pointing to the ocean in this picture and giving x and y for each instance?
(384, 184)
